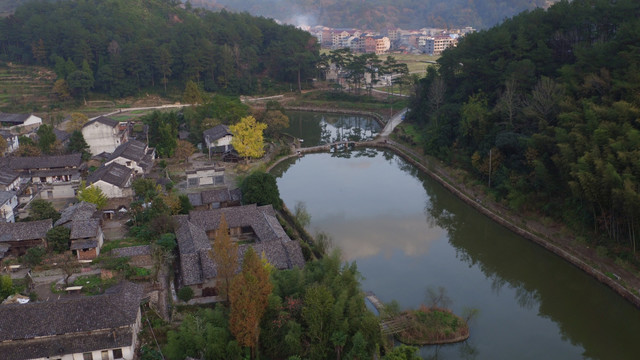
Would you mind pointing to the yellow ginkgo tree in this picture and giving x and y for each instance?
(248, 137)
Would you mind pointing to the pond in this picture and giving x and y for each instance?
(408, 234)
(322, 128)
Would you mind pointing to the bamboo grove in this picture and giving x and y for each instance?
(545, 108)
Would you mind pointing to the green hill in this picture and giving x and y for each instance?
(127, 47)
(382, 14)
(547, 106)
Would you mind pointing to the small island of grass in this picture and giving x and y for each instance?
(431, 326)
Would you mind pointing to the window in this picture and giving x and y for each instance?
(105, 354)
(117, 353)
(87, 356)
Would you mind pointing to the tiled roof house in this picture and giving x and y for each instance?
(218, 139)
(114, 180)
(17, 238)
(255, 226)
(57, 175)
(133, 154)
(25, 121)
(104, 134)
(96, 327)
(216, 198)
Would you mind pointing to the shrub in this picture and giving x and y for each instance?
(261, 188)
(58, 239)
(34, 256)
(185, 294)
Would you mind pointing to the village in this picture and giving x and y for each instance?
(430, 41)
(145, 240)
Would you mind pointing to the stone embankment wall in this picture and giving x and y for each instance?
(500, 219)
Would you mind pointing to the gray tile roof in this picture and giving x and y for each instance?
(83, 244)
(216, 196)
(6, 196)
(133, 150)
(28, 230)
(13, 118)
(113, 173)
(103, 120)
(61, 135)
(7, 176)
(72, 325)
(261, 219)
(79, 211)
(195, 199)
(216, 132)
(81, 229)
(45, 162)
(194, 245)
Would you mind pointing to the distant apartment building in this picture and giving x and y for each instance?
(436, 45)
(382, 45)
(394, 34)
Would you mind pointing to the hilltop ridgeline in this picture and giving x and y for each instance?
(119, 47)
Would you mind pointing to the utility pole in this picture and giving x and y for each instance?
(490, 168)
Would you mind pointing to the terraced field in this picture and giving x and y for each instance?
(25, 88)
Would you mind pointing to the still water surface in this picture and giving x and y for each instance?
(321, 128)
(408, 234)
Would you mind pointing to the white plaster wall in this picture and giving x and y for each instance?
(101, 138)
(112, 191)
(123, 161)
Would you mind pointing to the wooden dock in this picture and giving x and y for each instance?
(373, 299)
(388, 325)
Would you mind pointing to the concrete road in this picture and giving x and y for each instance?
(392, 123)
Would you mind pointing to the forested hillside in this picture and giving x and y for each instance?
(123, 46)
(380, 14)
(545, 108)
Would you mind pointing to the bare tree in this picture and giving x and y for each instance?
(68, 264)
(437, 298)
(436, 95)
(509, 102)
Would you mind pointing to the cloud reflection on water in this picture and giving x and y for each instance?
(360, 238)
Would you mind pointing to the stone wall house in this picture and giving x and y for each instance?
(86, 238)
(20, 122)
(114, 180)
(88, 327)
(104, 134)
(135, 155)
(19, 237)
(251, 225)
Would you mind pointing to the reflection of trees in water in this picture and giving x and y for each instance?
(539, 280)
(325, 134)
(352, 128)
(466, 350)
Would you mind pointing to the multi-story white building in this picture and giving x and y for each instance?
(436, 45)
(104, 134)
